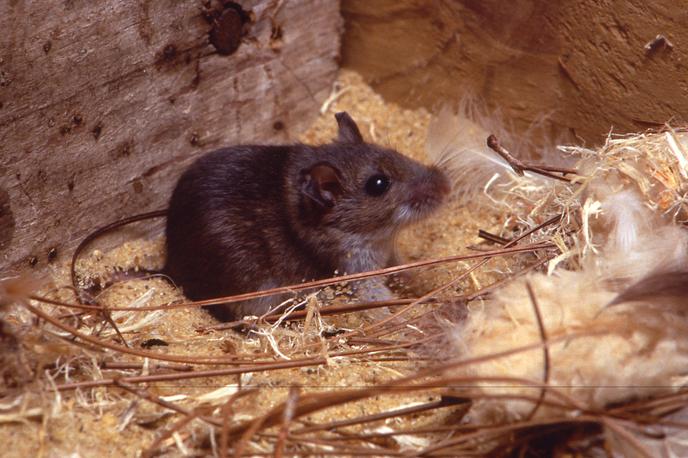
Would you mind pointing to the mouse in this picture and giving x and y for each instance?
(253, 217)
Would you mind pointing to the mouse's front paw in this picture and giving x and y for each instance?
(373, 291)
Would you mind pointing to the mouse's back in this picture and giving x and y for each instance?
(249, 218)
(222, 213)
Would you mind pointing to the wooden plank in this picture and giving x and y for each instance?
(581, 64)
(102, 104)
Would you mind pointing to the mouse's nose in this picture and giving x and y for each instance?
(433, 185)
(431, 189)
(439, 180)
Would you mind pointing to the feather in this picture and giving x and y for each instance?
(658, 287)
(628, 218)
(457, 143)
(18, 289)
(636, 240)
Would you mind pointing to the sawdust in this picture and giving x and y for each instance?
(110, 421)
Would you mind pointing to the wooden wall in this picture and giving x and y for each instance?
(582, 63)
(103, 103)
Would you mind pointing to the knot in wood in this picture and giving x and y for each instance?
(227, 30)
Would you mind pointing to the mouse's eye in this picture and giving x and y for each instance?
(377, 185)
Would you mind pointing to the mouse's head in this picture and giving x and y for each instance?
(365, 189)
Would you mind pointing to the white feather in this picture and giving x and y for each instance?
(457, 142)
(628, 217)
(459, 145)
(636, 240)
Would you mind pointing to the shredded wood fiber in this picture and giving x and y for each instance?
(586, 234)
(109, 420)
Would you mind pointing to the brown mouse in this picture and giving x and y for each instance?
(249, 218)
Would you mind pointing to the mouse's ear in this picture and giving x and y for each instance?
(348, 130)
(320, 186)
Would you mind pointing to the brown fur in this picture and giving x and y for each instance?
(250, 218)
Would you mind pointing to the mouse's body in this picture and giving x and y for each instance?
(250, 218)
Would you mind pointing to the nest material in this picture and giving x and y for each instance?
(611, 304)
(36, 357)
(348, 385)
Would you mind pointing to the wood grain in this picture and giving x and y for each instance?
(102, 104)
(582, 65)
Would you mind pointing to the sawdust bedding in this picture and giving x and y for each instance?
(601, 231)
(111, 422)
